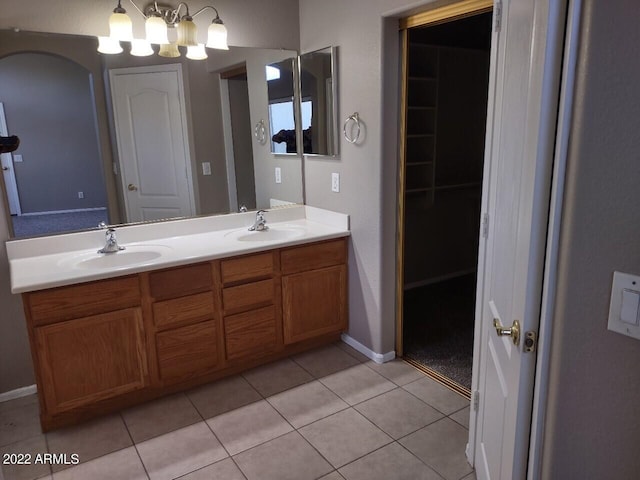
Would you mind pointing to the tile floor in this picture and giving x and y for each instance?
(327, 414)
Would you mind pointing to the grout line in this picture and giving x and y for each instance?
(422, 461)
(216, 437)
(133, 443)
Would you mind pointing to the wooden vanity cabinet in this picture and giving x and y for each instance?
(251, 306)
(184, 330)
(87, 351)
(314, 290)
(101, 346)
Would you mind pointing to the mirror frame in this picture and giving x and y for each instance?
(333, 50)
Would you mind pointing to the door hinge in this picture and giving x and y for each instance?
(530, 342)
(497, 16)
(485, 225)
(476, 400)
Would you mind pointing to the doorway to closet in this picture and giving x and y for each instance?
(444, 102)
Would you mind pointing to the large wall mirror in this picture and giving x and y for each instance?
(179, 142)
(319, 102)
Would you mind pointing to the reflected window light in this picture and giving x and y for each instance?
(273, 73)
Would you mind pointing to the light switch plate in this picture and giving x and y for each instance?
(335, 182)
(206, 168)
(17, 158)
(625, 293)
(278, 175)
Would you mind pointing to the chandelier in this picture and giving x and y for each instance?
(158, 20)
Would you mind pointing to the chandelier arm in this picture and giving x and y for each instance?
(138, 9)
(204, 8)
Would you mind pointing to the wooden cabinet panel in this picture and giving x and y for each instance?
(251, 333)
(65, 303)
(177, 282)
(183, 310)
(244, 297)
(253, 267)
(314, 303)
(89, 359)
(187, 351)
(312, 257)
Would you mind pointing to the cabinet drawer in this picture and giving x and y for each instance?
(183, 310)
(244, 297)
(177, 282)
(89, 359)
(251, 333)
(242, 269)
(187, 351)
(312, 257)
(65, 303)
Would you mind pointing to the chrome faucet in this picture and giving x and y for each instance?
(111, 245)
(260, 224)
(243, 209)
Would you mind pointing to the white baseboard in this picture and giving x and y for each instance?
(55, 212)
(17, 393)
(367, 352)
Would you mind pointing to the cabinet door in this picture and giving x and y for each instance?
(92, 358)
(314, 303)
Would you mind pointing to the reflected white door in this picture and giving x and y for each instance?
(151, 131)
(521, 132)
(7, 170)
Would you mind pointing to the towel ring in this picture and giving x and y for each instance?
(260, 132)
(356, 120)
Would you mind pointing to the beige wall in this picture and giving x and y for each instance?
(592, 428)
(251, 23)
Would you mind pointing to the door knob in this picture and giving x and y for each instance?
(513, 332)
(131, 187)
(5, 168)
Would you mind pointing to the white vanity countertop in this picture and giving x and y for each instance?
(53, 261)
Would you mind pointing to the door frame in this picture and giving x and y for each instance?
(11, 190)
(430, 16)
(186, 132)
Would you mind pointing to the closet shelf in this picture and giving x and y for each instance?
(458, 186)
(425, 78)
(418, 190)
(414, 164)
(416, 107)
(420, 135)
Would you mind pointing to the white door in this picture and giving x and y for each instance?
(151, 132)
(7, 170)
(521, 130)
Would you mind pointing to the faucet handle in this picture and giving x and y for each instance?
(102, 224)
(260, 212)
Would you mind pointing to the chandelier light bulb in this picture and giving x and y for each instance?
(169, 50)
(217, 35)
(140, 48)
(109, 46)
(120, 26)
(156, 30)
(197, 53)
(187, 32)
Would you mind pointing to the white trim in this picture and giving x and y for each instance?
(567, 91)
(18, 393)
(55, 212)
(229, 153)
(367, 352)
(12, 189)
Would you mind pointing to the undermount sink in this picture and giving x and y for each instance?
(125, 258)
(273, 234)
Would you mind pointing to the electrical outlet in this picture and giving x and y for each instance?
(278, 175)
(80, 194)
(335, 182)
(206, 168)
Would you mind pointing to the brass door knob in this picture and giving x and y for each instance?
(131, 187)
(513, 332)
(5, 168)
